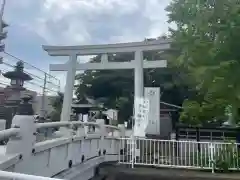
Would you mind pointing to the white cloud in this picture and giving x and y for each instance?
(99, 21)
(71, 22)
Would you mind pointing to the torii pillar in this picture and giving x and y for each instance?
(138, 64)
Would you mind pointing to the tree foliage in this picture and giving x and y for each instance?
(115, 88)
(207, 38)
(57, 107)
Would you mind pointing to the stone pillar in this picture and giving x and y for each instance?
(68, 93)
(154, 121)
(138, 75)
(138, 80)
(24, 143)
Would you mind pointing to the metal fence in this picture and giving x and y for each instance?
(206, 133)
(180, 154)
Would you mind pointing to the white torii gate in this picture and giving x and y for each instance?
(138, 64)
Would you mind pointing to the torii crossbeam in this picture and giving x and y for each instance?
(138, 64)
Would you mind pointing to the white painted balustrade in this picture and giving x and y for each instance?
(20, 176)
(73, 153)
(7, 133)
(180, 154)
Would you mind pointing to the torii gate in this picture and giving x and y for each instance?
(138, 64)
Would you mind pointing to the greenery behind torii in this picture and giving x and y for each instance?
(208, 39)
(203, 65)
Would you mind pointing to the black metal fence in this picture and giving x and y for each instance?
(206, 133)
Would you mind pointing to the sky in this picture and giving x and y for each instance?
(34, 23)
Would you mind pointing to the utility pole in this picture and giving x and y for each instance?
(3, 34)
(42, 112)
(1, 14)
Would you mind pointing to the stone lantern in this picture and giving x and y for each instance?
(11, 95)
(18, 76)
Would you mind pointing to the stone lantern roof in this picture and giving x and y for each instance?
(18, 73)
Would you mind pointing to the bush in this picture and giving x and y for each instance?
(228, 158)
(224, 159)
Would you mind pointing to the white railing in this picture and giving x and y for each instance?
(74, 127)
(67, 124)
(73, 143)
(7, 133)
(19, 176)
(180, 154)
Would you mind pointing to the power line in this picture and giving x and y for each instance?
(40, 86)
(48, 82)
(7, 64)
(29, 64)
(32, 83)
(5, 71)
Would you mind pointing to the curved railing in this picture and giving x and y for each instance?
(8, 133)
(66, 124)
(70, 146)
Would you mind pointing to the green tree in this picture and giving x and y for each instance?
(113, 88)
(207, 39)
(57, 103)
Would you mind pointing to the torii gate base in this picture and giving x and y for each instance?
(138, 64)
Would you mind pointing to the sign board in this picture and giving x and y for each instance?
(141, 109)
(153, 96)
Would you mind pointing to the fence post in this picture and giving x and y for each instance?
(212, 149)
(133, 148)
(122, 141)
(102, 131)
(198, 139)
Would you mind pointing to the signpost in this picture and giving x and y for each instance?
(153, 96)
(141, 110)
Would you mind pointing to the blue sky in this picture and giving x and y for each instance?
(78, 22)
